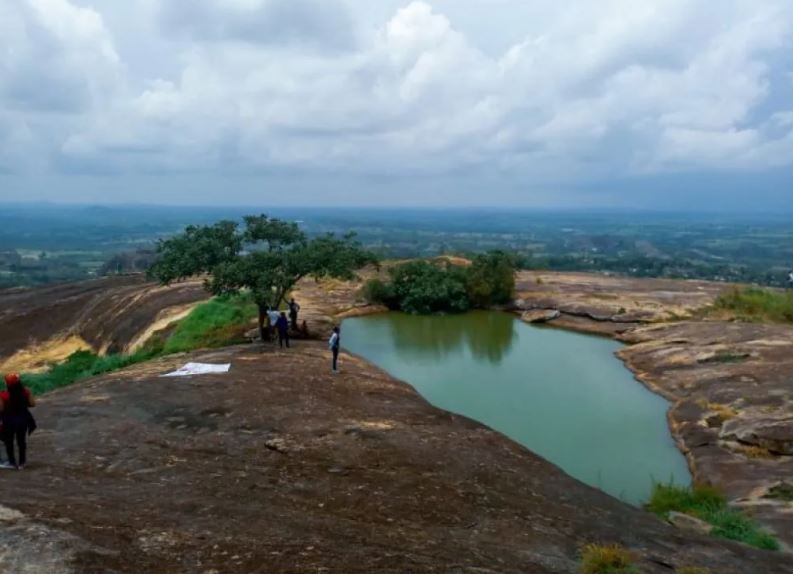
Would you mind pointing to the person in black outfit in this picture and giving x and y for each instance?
(283, 330)
(294, 308)
(16, 420)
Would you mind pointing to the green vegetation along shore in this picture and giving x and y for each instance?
(443, 286)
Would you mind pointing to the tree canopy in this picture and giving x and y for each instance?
(427, 287)
(491, 279)
(266, 257)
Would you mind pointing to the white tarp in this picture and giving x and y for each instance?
(198, 369)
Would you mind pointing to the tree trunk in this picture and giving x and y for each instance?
(262, 315)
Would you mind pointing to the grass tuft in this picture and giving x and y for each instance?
(611, 559)
(709, 504)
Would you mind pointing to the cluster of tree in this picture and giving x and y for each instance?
(440, 286)
(266, 258)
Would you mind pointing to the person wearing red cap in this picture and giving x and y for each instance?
(17, 422)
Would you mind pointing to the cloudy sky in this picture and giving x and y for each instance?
(665, 104)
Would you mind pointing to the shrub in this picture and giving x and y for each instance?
(613, 559)
(378, 292)
(490, 279)
(424, 288)
(440, 286)
(709, 504)
(752, 303)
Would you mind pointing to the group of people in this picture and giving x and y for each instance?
(279, 324)
(16, 420)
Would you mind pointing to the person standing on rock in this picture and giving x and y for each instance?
(334, 343)
(272, 315)
(282, 325)
(17, 422)
(294, 309)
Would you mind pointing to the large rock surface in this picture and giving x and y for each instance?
(47, 324)
(608, 304)
(279, 466)
(731, 387)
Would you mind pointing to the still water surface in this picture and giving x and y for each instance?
(563, 395)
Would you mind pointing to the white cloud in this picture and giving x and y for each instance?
(319, 24)
(617, 87)
(55, 57)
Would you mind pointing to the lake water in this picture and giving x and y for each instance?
(563, 395)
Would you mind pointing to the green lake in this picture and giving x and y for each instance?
(563, 395)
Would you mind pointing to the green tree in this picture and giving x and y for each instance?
(267, 257)
(490, 279)
(424, 288)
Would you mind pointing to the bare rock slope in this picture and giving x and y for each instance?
(279, 466)
(47, 324)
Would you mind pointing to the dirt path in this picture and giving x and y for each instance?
(279, 466)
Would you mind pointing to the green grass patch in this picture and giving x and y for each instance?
(612, 559)
(220, 322)
(710, 505)
(80, 365)
(755, 304)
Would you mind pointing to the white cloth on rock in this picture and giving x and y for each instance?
(198, 369)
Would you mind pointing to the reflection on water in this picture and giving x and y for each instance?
(486, 335)
(563, 395)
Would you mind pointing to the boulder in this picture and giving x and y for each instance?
(540, 315)
(774, 435)
(690, 523)
(252, 334)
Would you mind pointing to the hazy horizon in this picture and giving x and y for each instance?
(294, 210)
